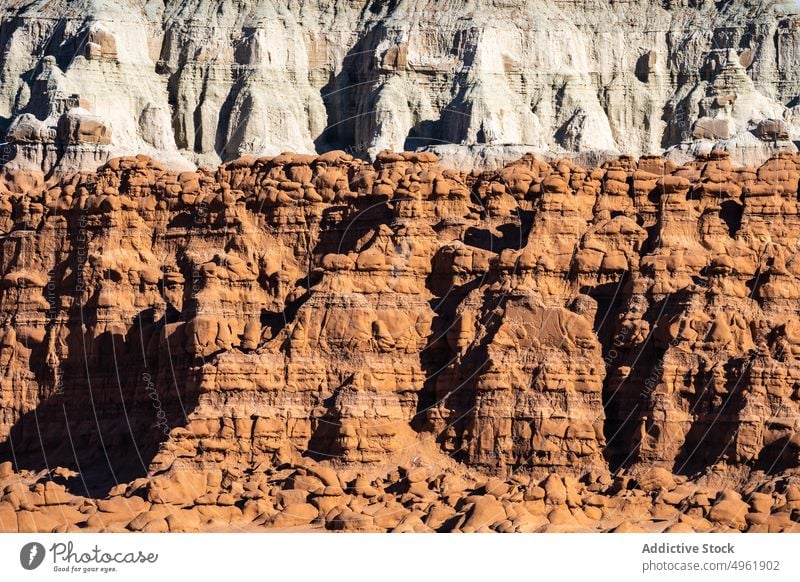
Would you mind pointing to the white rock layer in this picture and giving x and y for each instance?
(195, 81)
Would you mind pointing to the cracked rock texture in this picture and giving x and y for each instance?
(324, 342)
(203, 82)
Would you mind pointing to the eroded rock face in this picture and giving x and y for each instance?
(301, 341)
(205, 82)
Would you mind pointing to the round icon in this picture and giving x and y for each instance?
(31, 555)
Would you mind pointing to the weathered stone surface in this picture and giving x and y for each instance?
(303, 342)
(205, 82)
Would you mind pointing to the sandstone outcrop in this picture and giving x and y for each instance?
(320, 342)
(198, 82)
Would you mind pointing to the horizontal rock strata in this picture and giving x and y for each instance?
(194, 81)
(322, 342)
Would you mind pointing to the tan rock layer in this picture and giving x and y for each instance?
(204, 340)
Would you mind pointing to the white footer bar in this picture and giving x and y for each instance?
(400, 558)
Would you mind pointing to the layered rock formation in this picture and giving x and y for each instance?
(318, 341)
(207, 82)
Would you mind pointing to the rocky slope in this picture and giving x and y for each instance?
(203, 82)
(301, 341)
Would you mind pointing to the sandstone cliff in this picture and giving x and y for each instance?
(205, 82)
(303, 341)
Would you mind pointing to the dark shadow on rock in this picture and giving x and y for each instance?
(278, 320)
(427, 132)
(324, 443)
(631, 367)
(342, 227)
(348, 96)
(780, 455)
(511, 236)
(712, 435)
(110, 410)
(731, 212)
